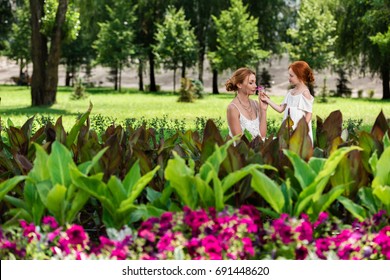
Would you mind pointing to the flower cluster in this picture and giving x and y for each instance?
(200, 234)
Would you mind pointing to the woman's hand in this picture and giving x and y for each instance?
(263, 98)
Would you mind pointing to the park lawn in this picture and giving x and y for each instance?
(16, 106)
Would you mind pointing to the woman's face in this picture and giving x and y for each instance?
(292, 78)
(249, 85)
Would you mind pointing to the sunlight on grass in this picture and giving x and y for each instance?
(16, 105)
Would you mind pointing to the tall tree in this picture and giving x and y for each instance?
(314, 36)
(18, 45)
(115, 39)
(6, 18)
(176, 42)
(199, 13)
(237, 39)
(49, 30)
(150, 12)
(363, 26)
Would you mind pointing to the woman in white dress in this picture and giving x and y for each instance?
(243, 113)
(299, 100)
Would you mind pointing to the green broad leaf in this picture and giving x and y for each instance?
(86, 167)
(43, 189)
(302, 204)
(269, 212)
(219, 194)
(60, 161)
(214, 161)
(76, 128)
(373, 161)
(302, 171)
(386, 141)
(369, 200)
(382, 176)
(327, 199)
(132, 177)
(355, 209)
(9, 184)
(17, 202)
(328, 170)
(317, 164)
(236, 176)
(383, 193)
(286, 190)
(206, 194)
(34, 204)
(137, 189)
(16, 215)
(117, 190)
(76, 204)
(40, 170)
(267, 188)
(55, 202)
(152, 195)
(181, 178)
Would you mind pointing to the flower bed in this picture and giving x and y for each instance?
(230, 234)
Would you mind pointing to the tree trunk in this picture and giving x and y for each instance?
(120, 76)
(152, 86)
(200, 64)
(140, 75)
(174, 80)
(45, 65)
(183, 70)
(385, 82)
(215, 82)
(38, 54)
(68, 77)
(55, 54)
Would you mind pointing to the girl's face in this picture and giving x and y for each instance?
(248, 87)
(292, 78)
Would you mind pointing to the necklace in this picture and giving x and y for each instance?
(247, 108)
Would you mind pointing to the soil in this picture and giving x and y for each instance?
(278, 71)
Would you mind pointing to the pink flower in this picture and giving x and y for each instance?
(165, 243)
(248, 247)
(212, 247)
(305, 231)
(301, 253)
(50, 221)
(77, 235)
(148, 235)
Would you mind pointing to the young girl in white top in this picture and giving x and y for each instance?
(244, 113)
(298, 102)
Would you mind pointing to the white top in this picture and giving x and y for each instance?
(252, 126)
(297, 105)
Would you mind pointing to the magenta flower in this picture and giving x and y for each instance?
(29, 230)
(212, 247)
(301, 253)
(248, 247)
(322, 218)
(305, 231)
(50, 221)
(165, 243)
(148, 235)
(77, 236)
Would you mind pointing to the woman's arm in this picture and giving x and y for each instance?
(263, 106)
(233, 119)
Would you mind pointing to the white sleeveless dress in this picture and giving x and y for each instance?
(298, 105)
(252, 126)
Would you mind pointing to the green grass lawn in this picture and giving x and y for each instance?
(16, 106)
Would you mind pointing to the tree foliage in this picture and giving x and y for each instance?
(114, 44)
(237, 39)
(363, 37)
(18, 45)
(313, 38)
(176, 42)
